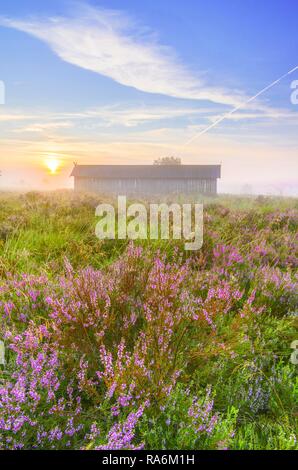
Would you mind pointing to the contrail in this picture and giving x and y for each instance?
(240, 106)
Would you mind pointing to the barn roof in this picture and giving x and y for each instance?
(146, 171)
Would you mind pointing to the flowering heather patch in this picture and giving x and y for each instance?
(115, 345)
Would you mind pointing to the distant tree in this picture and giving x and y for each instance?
(168, 161)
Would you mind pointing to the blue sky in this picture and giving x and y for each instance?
(129, 81)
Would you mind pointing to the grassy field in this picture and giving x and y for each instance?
(114, 345)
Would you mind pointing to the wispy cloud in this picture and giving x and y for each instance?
(16, 116)
(112, 44)
(185, 121)
(45, 126)
(124, 114)
(133, 116)
(267, 115)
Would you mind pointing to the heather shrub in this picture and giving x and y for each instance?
(188, 421)
(116, 345)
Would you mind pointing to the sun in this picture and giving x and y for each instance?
(52, 163)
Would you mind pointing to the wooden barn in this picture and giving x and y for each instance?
(146, 179)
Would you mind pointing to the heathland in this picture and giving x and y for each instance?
(110, 344)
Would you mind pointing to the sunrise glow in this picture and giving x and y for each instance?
(52, 164)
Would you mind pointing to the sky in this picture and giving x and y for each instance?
(127, 82)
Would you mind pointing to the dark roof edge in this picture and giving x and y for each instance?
(147, 171)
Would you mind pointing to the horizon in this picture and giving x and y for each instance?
(113, 82)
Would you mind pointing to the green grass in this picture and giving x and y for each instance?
(246, 359)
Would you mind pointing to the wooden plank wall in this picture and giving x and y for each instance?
(146, 186)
